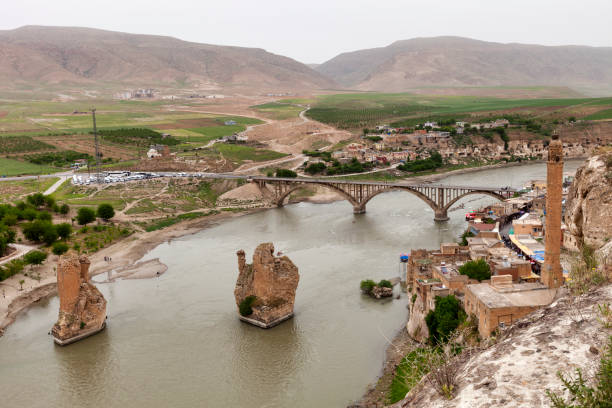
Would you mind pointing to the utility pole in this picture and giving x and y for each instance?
(93, 114)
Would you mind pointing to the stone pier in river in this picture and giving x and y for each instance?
(82, 307)
(265, 289)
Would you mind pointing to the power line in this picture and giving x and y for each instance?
(95, 131)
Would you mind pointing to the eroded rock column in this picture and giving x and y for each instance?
(265, 289)
(82, 307)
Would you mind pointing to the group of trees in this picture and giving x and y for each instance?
(478, 269)
(433, 162)
(57, 159)
(444, 319)
(285, 173)
(85, 215)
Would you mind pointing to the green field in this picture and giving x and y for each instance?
(10, 167)
(240, 153)
(279, 110)
(603, 114)
(352, 111)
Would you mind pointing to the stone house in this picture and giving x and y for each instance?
(501, 302)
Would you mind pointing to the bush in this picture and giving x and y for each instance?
(64, 209)
(315, 168)
(50, 235)
(385, 284)
(85, 215)
(7, 236)
(35, 257)
(11, 268)
(444, 319)
(367, 285)
(36, 199)
(9, 219)
(39, 231)
(60, 248)
(585, 393)
(63, 230)
(285, 173)
(44, 215)
(245, 307)
(478, 269)
(106, 211)
(467, 234)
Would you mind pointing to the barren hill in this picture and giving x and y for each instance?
(460, 62)
(50, 55)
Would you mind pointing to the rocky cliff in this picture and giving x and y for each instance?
(523, 362)
(589, 204)
(416, 326)
(82, 307)
(270, 283)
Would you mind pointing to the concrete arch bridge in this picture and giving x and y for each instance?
(439, 197)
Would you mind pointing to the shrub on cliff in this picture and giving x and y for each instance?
(444, 319)
(367, 285)
(478, 269)
(245, 307)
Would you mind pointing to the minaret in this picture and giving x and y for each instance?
(552, 275)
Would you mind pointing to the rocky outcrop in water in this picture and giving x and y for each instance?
(265, 289)
(589, 204)
(82, 307)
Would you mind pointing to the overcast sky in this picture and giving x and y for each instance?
(314, 31)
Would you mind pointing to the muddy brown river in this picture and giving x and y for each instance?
(176, 341)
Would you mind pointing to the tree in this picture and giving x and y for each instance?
(64, 209)
(63, 230)
(36, 199)
(39, 231)
(445, 318)
(285, 173)
(467, 234)
(106, 211)
(44, 215)
(35, 257)
(7, 236)
(478, 269)
(85, 215)
(367, 285)
(60, 248)
(315, 168)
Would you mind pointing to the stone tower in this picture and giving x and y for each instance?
(552, 275)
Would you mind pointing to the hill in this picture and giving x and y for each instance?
(462, 62)
(64, 55)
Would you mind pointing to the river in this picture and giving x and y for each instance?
(176, 341)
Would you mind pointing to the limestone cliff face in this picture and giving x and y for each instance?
(416, 326)
(522, 364)
(589, 204)
(272, 280)
(82, 306)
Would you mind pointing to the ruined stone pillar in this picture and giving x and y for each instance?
(552, 274)
(85, 263)
(82, 307)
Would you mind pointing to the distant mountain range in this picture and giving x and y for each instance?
(43, 56)
(460, 62)
(53, 55)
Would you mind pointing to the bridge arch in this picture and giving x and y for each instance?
(420, 195)
(281, 199)
(489, 193)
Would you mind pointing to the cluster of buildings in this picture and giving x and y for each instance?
(136, 93)
(521, 250)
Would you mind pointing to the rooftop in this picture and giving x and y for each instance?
(519, 295)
